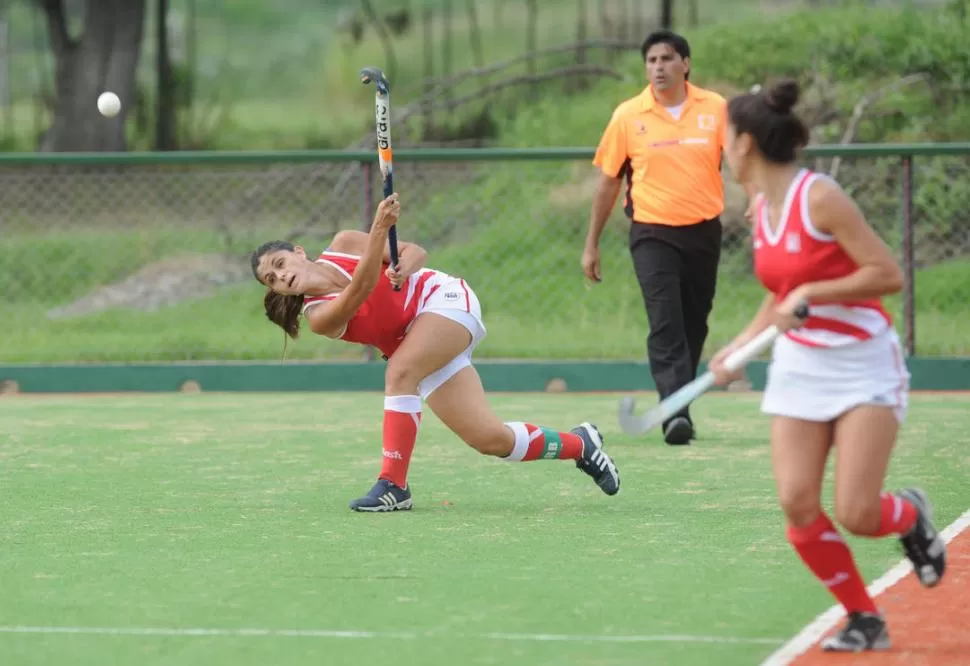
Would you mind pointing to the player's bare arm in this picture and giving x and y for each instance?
(331, 317)
(835, 213)
(412, 256)
(607, 189)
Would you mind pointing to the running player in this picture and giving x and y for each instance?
(427, 331)
(837, 380)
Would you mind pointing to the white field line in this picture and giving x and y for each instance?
(392, 635)
(821, 625)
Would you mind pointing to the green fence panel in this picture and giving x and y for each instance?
(143, 257)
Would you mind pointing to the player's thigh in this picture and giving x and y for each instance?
(864, 440)
(462, 405)
(799, 450)
(431, 343)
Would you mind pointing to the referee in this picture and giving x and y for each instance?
(665, 146)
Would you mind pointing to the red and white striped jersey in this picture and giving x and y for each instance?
(383, 319)
(795, 253)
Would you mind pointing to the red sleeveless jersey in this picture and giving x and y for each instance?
(382, 320)
(796, 253)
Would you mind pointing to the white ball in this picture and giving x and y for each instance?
(108, 104)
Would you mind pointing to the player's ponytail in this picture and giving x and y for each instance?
(766, 114)
(284, 311)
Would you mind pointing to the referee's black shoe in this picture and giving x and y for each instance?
(678, 431)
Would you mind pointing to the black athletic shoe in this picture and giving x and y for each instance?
(595, 461)
(384, 496)
(679, 431)
(923, 545)
(863, 631)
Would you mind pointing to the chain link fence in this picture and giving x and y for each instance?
(146, 259)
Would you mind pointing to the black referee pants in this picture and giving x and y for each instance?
(677, 271)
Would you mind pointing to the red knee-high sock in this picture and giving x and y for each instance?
(402, 416)
(898, 515)
(538, 443)
(824, 552)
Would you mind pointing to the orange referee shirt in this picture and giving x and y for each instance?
(672, 166)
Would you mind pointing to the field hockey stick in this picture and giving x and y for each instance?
(636, 424)
(382, 107)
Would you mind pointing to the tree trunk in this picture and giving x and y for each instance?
(103, 58)
(165, 93)
(667, 14)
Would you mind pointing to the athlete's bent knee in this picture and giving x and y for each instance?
(858, 515)
(800, 505)
(400, 378)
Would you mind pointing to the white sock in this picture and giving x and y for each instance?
(521, 446)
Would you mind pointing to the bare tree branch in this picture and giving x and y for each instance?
(436, 86)
(825, 112)
(485, 91)
(863, 104)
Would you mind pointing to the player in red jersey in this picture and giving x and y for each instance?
(427, 331)
(837, 380)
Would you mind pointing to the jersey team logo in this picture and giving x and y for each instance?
(706, 122)
(793, 243)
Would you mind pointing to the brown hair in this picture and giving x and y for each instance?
(766, 115)
(284, 311)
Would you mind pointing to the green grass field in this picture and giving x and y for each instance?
(177, 513)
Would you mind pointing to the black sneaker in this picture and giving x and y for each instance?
(595, 461)
(384, 496)
(679, 431)
(923, 545)
(863, 632)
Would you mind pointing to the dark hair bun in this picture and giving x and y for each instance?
(782, 95)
